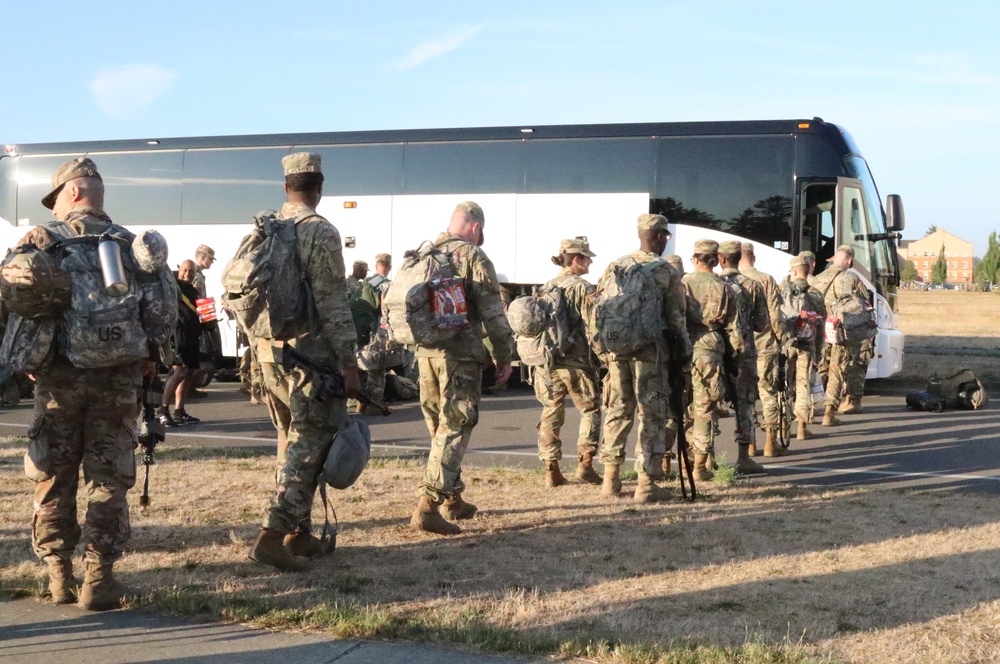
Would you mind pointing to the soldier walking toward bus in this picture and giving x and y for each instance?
(573, 374)
(305, 430)
(801, 353)
(380, 352)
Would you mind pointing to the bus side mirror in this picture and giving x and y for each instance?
(894, 207)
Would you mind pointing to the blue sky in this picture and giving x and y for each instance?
(916, 83)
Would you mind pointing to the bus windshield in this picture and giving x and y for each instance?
(883, 252)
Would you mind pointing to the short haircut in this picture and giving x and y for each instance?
(304, 183)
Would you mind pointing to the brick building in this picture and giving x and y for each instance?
(924, 252)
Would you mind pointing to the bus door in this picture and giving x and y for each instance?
(818, 228)
(852, 224)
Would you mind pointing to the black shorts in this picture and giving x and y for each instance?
(188, 354)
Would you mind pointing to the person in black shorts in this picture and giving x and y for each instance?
(187, 354)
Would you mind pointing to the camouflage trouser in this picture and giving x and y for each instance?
(799, 369)
(848, 366)
(767, 370)
(449, 398)
(631, 386)
(706, 393)
(88, 417)
(746, 401)
(551, 388)
(308, 426)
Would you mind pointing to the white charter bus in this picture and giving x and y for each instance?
(786, 185)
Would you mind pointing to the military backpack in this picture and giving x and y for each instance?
(801, 322)
(627, 309)
(540, 322)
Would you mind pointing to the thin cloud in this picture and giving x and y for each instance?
(122, 92)
(429, 50)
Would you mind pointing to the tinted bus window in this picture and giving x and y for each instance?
(602, 165)
(814, 157)
(360, 170)
(8, 189)
(474, 167)
(230, 186)
(34, 181)
(736, 184)
(142, 188)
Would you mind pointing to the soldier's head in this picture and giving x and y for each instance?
(676, 262)
(730, 253)
(810, 259)
(653, 233)
(844, 258)
(467, 222)
(576, 255)
(359, 270)
(204, 256)
(749, 258)
(303, 178)
(798, 268)
(706, 255)
(186, 271)
(383, 264)
(75, 184)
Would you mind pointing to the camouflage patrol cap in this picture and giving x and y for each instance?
(808, 256)
(846, 248)
(730, 247)
(361, 264)
(383, 258)
(302, 162)
(576, 246)
(798, 261)
(652, 222)
(150, 251)
(706, 247)
(204, 250)
(472, 208)
(82, 167)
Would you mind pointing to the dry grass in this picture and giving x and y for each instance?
(749, 573)
(946, 330)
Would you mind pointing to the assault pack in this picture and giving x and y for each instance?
(540, 322)
(800, 321)
(265, 287)
(627, 310)
(851, 316)
(426, 303)
(961, 389)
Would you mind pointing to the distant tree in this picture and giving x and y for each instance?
(930, 230)
(939, 271)
(909, 271)
(987, 267)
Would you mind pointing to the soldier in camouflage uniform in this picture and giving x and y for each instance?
(380, 353)
(848, 361)
(88, 417)
(768, 345)
(305, 427)
(353, 282)
(451, 378)
(640, 385)
(678, 264)
(752, 320)
(801, 357)
(711, 320)
(204, 256)
(573, 374)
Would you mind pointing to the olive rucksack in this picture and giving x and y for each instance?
(627, 310)
(541, 325)
(33, 283)
(264, 284)
(425, 304)
(800, 321)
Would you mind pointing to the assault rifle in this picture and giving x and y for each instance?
(328, 382)
(678, 394)
(151, 431)
(781, 385)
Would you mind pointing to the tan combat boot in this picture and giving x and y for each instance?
(585, 470)
(612, 482)
(771, 447)
(745, 465)
(851, 406)
(702, 473)
(646, 491)
(803, 433)
(62, 585)
(302, 543)
(553, 477)
(753, 447)
(269, 548)
(428, 519)
(456, 509)
(829, 419)
(100, 590)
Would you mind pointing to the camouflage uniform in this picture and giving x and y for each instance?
(752, 319)
(573, 374)
(640, 385)
(849, 361)
(711, 313)
(768, 345)
(451, 379)
(380, 353)
(306, 424)
(802, 358)
(199, 282)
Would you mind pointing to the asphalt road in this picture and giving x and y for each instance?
(887, 446)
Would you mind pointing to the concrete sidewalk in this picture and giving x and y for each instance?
(32, 631)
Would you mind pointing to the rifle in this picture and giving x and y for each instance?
(675, 374)
(151, 431)
(328, 381)
(781, 385)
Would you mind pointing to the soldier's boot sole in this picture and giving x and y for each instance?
(269, 549)
(745, 465)
(62, 584)
(456, 509)
(426, 518)
(851, 408)
(648, 492)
